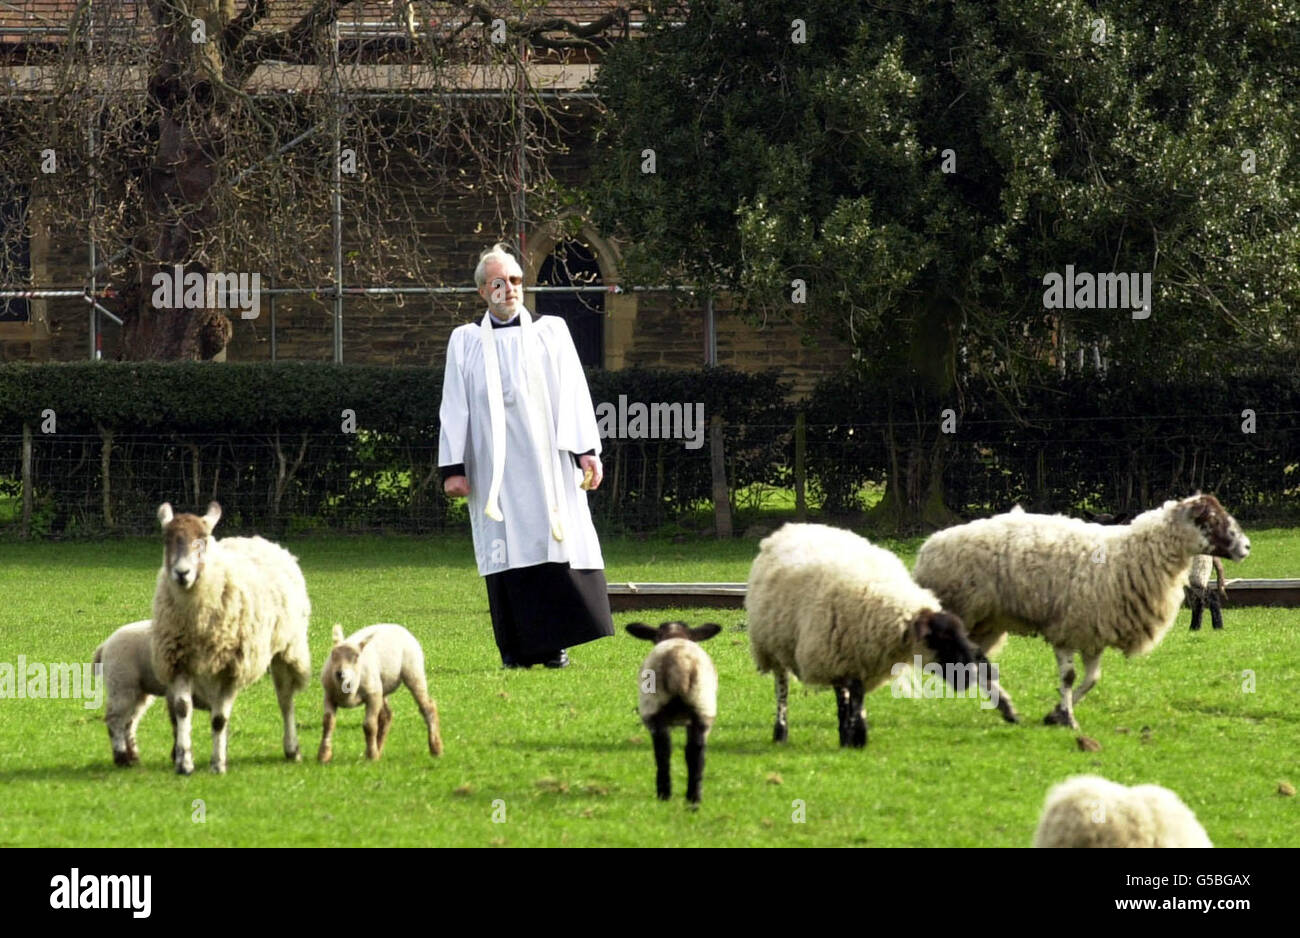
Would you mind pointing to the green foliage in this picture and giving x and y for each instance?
(822, 161)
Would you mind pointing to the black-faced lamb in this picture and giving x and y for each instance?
(126, 658)
(223, 611)
(836, 610)
(1083, 587)
(1090, 811)
(678, 685)
(364, 669)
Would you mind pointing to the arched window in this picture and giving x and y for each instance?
(573, 263)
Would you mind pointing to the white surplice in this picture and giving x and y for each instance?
(525, 536)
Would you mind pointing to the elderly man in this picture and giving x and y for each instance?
(519, 439)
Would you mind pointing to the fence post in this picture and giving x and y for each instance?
(721, 494)
(800, 479)
(27, 480)
(106, 456)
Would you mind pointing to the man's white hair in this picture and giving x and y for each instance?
(501, 251)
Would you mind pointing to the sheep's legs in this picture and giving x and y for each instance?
(1063, 715)
(1198, 608)
(385, 722)
(857, 715)
(781, 731)
(181, 707)
(697, 732)
(1216, 611)
(429, 710)
(371, 726)
(660, 734)
(283, 677)
(122, 721)
(222, 704)
(1091, 672)
(326, 751)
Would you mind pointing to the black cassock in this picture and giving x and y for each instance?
(538, 610)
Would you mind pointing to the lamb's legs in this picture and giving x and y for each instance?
(428, 709)
(989, 640)
(385, 721)
(181, 707)
(781, 731)
(221, 707)
(842, 716)
(1063, 715)
(1091, 672)
(371, 726)
(122, 720)
(283, 677)
(697, 732)
(660, 734)
(1216, 611)
(1198, 608)
(326, 751)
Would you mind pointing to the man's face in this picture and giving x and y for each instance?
(503, 288)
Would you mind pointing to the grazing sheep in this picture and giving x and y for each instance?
(835, 609)
(364, 669)
(1199, 594)
(222, 612)
(1083, 587)
(1089, 811)
(127, 662)
(678, 686)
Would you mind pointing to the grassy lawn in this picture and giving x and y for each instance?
(561, 758)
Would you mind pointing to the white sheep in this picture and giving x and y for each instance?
(128, 676)
(223, 611)
(835, 609)
(364, 669)
(1199, 594)
(1083, 587)
(1090, 811)
(678, 685)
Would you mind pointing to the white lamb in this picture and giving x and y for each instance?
(834, 609)
(364, 669)
(223, 611)
(1083, 587)
(127, 661)
(678, 685)
(1089, 811)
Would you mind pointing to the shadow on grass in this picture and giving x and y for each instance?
(98, 771)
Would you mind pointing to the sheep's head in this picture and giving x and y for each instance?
(186, 539)
(673, 630)
(944, 634)
(344, 666)
(1220, 534)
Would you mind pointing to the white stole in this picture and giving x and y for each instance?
(537, 406)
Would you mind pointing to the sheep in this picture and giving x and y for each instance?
(1090, 811)
(223, 611)
(126, 660)
(678, 686)
(1199, 594)
(1083, 587)
(364, 669)
(835, 609)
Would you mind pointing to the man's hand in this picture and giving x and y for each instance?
(597, 470)
(456, 486)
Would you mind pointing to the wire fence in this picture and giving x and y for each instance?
(88, 485)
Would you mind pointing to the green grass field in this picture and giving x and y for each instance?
(560, 758)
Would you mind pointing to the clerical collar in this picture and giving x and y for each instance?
(513, 321)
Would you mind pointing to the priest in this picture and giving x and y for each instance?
(518, 438)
